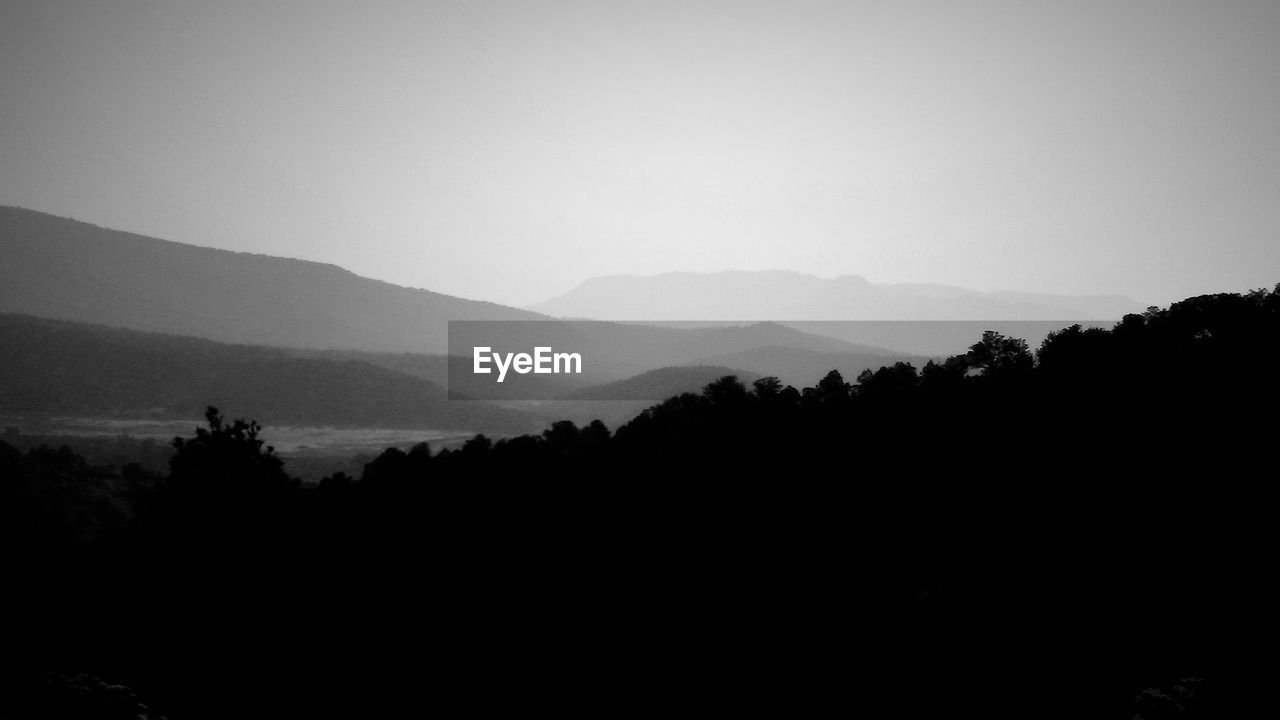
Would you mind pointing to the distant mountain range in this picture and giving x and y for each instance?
(781, 295)
(316, 343)
(60, 368)
(69, 270)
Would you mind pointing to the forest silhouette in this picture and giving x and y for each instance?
(1082, 530)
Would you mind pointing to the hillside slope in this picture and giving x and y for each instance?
(69, 270)
(57, 367)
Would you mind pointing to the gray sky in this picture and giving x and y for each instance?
(509, 150)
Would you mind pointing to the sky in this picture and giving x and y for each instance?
(507, 151)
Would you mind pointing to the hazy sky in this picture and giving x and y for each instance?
(509, 150)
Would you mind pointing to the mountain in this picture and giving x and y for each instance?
(64, 269)
(59, 367)
(660, 384)
(433, 368)
(781, 295)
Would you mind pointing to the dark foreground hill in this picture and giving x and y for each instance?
(59, 268)
(50, 366)
(1085, 531)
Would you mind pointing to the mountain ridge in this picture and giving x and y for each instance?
(66, 269)
(789, 295)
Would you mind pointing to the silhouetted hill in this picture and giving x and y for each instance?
(50, 366)
(704, 342)
(779, 295)
(1077, 532)
(433, 368)
(64, 269)
(660, 384)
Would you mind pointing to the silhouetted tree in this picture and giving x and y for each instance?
(768, 388)
(726, 391)
(997, 355)
(225, 459)
(561, 436)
